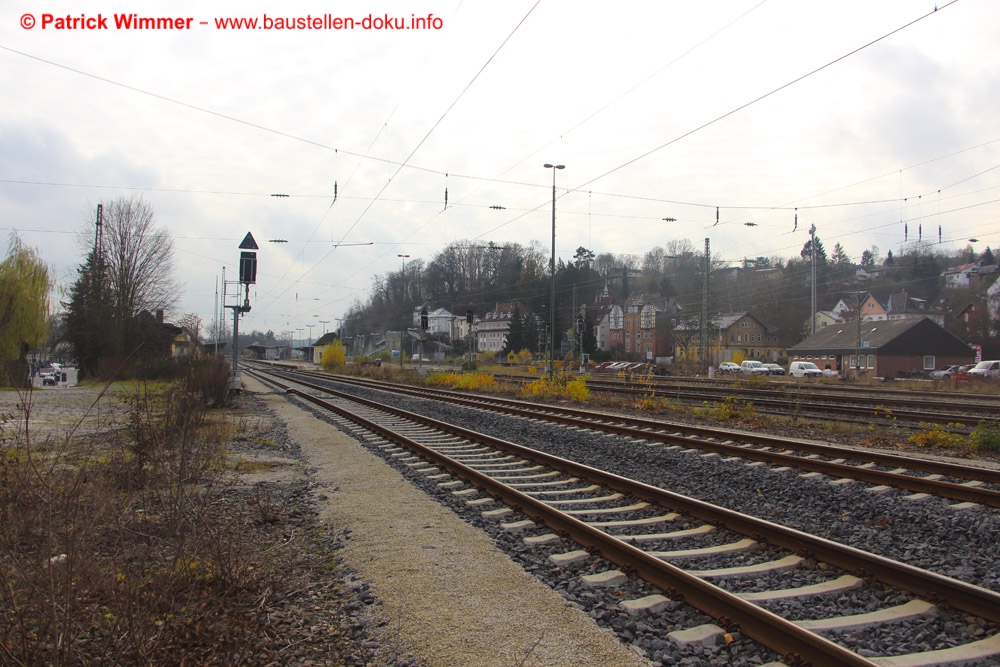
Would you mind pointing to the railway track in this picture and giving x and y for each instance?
(956, 482)
(813, 399)
(629, 524)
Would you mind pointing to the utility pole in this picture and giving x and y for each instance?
(857, 367)
(575, 349)
(703, 337)
(552, 278)
(405, 314)
(812, 248)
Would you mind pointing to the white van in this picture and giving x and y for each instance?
(985, 369)
(804, 369)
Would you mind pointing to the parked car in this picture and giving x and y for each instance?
(49, 376)
(753, 368)
(985, 369)
(727, 367)
(804, 369)
(944, 373)
(774, 369)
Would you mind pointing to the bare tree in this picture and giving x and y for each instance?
(134, 265)
(191, 324)
(140, 258)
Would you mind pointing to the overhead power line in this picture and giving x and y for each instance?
(763, 97)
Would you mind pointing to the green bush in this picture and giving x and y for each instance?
(986, 436)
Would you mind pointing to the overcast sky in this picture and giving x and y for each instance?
(658, 109)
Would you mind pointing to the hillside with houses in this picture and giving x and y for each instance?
(680, 305)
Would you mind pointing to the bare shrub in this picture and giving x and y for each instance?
(124, 548)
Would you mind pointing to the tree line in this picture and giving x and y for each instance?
(468, 276)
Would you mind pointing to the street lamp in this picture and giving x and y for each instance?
(310, 327)
(403, 328)
(324, 323)
(552, 297)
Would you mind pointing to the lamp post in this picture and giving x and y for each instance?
(324, 323)
(310, 327)
(552, 296)
(403, 328)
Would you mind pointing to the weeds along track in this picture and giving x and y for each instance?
(805, 596)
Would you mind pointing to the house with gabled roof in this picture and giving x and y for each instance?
(884, 348)
(959, 276)
(439, 320)
(731, 336)
(642, 329)
(319, 347)
(898, 306)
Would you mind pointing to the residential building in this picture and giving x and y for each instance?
(825, 318)
(645, 328)
(492, 327)
(730, 336)
(959, 276)
(898, 306)
(439, 320)
(599, 314)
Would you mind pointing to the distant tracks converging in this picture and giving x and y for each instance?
(629, 524)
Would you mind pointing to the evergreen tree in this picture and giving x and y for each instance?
(89, 316)
(806, 252)
(514, 342)
(839, 257)
(583, 257)
(987, 257)
(531, 333)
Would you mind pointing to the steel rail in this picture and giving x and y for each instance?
(842, 387)
(650, 429)
(937, 588)
(828, 404)
(797, 645)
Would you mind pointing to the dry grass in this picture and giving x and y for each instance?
(113, 549)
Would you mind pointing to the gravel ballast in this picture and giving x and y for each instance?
(921, 533)
(447, 595)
